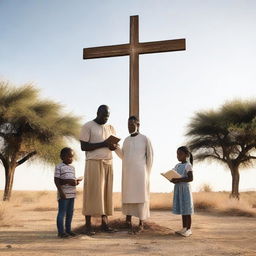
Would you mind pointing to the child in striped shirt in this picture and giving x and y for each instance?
(66, 182)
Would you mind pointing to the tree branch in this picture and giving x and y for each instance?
(4, 161)
(24, 159)
(216, 153)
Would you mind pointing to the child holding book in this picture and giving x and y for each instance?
(182, 198)
(66, 182)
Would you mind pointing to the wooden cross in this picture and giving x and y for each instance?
(133, 49)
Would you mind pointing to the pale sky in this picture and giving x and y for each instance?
(41, 42)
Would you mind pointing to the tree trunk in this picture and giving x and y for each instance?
(9, 175)
(235, 183)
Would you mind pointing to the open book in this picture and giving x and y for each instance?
(113, 139)
(169, 175)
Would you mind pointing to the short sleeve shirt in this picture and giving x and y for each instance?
(183, 168)
(64, 172)
(95, 133)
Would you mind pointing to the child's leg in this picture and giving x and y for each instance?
(62, 207)
(189, 220)
(69, 214)
(184, 221)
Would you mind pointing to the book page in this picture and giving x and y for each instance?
(169, 175)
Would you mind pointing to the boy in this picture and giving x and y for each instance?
(66, 182)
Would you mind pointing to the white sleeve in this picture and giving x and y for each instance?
(57, 172)
(113, 131)
(149, 155)
(85, 133)
(188, 168)
(175, 167)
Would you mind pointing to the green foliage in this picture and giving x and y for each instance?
(227, 134)
(35, 125)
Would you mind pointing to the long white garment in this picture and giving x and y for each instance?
(137, 155)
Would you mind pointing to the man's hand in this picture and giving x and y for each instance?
(112, 147)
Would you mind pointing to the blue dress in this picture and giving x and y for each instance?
(182, 197)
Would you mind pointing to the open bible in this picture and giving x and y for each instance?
(171, 174)
(112, 139)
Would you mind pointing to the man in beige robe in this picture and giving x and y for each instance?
(137, 156)
(98, 183)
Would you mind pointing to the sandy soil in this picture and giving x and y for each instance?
(35, 234)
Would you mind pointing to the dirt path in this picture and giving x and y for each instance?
(35, 234)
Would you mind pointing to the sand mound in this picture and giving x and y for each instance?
(120, 225)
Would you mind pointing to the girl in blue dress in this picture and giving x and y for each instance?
(182, 198)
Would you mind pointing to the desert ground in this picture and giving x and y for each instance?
(220, 227)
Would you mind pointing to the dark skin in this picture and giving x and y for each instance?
(101, 119)
(182, 157)
(66, 159)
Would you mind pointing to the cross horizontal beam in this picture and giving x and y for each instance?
(139, 48)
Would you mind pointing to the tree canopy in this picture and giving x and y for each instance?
(227, 135)
(31, 127)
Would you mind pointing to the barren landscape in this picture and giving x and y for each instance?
(220, 227)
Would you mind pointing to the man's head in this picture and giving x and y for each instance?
(102, 114)
(133, 124)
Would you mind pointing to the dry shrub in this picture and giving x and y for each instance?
(207, 201)
(205, 188)
(234, 207)
(2, 213)
(204, 205)
(161, 201)
(6, 218)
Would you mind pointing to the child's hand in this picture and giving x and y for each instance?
(175, 180)
(62, 196)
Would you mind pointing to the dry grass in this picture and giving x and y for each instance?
(6, 217)
(210, 202)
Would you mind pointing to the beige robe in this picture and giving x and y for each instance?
(98, 184)
(137, 156)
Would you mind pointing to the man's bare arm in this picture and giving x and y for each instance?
(71, 182)
(86, 146)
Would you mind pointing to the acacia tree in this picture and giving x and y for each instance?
(30, 128)
(227, 135)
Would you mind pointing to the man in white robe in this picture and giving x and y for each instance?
(137, 156)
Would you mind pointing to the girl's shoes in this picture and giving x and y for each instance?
(181, 231)
(187, 233)
(184, 232)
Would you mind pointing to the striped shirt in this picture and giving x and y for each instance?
(64, 172)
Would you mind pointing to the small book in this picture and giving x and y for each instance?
(172, 174)
(113, 139)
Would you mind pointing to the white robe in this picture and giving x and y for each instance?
(137, 155)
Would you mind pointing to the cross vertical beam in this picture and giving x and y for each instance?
(134, 68)
(134, 49)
